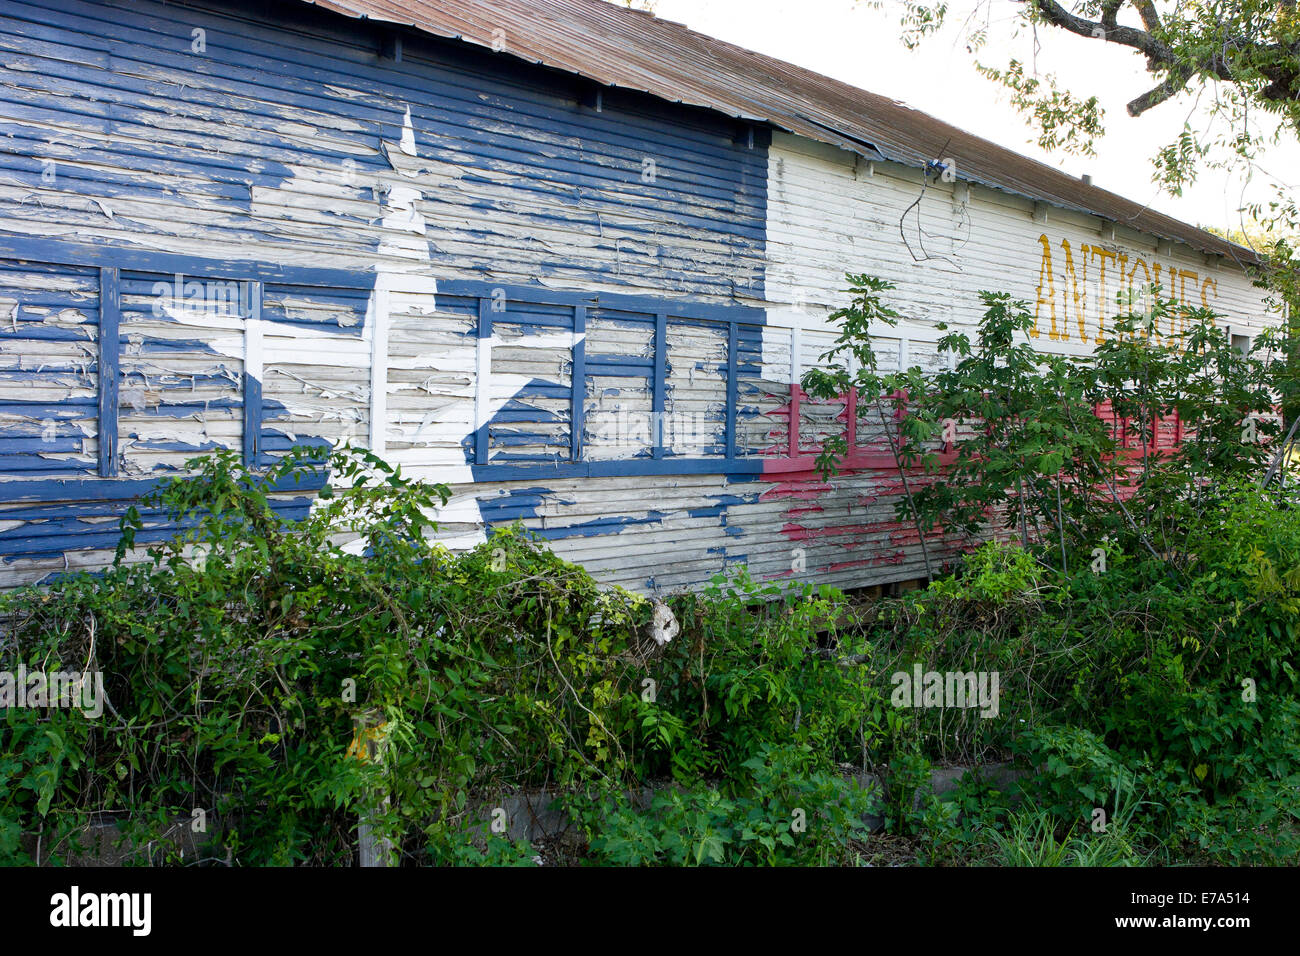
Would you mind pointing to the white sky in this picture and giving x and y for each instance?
(854, 43)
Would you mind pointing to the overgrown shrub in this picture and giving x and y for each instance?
(239, 659)
(1145, 629)
(789, 812)
(1171, 704)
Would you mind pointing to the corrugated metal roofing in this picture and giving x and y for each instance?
(619, 47)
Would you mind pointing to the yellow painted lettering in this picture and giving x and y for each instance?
(1102, 255)
(1080, 302)
(1045, 278)
(1205, 302)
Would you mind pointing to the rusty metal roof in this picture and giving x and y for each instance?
(619, 47)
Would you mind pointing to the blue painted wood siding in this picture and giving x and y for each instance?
(281, 141)
(175, 174)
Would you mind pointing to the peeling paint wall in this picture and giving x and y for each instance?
(49, 370)
(830, 212)
(589, 320)
(188, 149)
(181, 368)
(298, 143)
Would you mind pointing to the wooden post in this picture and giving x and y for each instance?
(370, 743)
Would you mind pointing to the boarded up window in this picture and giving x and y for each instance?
(530, 389)
(181, 369)
(49, 369)
(619, 418)
(316, 367)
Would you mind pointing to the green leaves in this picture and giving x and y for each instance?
(1062, 451)
(241, 654)
(1064, 121)
(780, 814)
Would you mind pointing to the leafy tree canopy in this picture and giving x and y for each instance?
(1238, 59)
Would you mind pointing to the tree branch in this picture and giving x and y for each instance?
(1160, 56)
(1140, 40)
(1174, 84)
(1150, 18)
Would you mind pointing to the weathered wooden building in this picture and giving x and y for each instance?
(564, 256)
